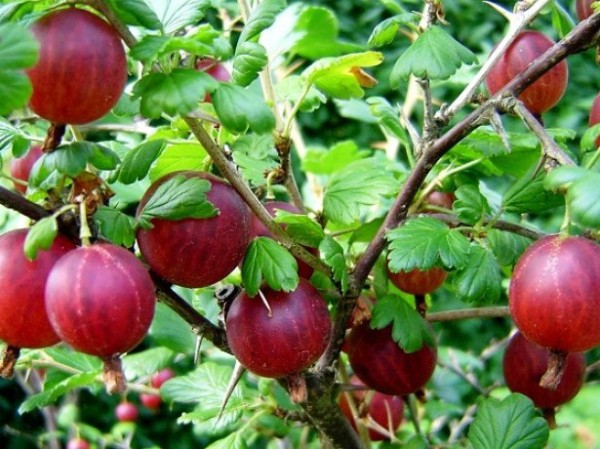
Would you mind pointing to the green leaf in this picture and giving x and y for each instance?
(103, 158)
(266, 260)
(178, 157)
(69, 159)
(115, 226)
(250, 59)
(425, 242)
(340, 155)
(137, 162)
(18, 48)
(435, 55)
(386, 31)
(149, 47)
(318, 29)
(74, 359)
(511, 423)
(241, 108)
(146, 363)
(206, 386)
(470, 205)
(171, 331)
(561, 20)
(48, 397)
(563, 177)
(416, 442)
(40, 236)
(409, 329)
(255, 154)
(507, 246)
(588, 140)
(479, 281)
(333, 255)
(178, 92)
(176, 14)
(529, 196)
(15, 90)
(292, 87)
(178, 198)
(339, 77)
(231, 441)
(387, 117)
(260, 18)
(304, 230)
(136, 13)
(359, 184)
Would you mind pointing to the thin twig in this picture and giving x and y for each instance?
(465, 314)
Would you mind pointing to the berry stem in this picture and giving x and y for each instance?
(114, 379)
(10, 355)
(550, 417)
(557, 363)
(421, 305)
(84, 231)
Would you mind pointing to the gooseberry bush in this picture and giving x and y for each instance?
(264, 224)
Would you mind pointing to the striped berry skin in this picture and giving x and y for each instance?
(584, 8)
(544, 93)
(197, 252)
(82, 68)
(381, 364)
(418, 282)
(554, 293)
(288, 340)
(524, 365)
(20, 168)
(23, 319)
(100, 300)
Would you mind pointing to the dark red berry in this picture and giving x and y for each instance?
(547, 90)
(584, 8)
(385, 410)
(126, 412)
(284, 340)
(196, 252)
(82, 68)
(151, 401)
(554, 293)
(215, 69)
(440, 199)
(524, 365)
(382, 365)
(20, 168)
(594, 118)
(161, 377)
(23, 319)
(418, 282)
(100, 300)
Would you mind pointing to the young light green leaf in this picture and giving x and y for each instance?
(169, 330)
(241, 108)
(40, 236)
(115, 226)
(18, 48)
(250, 59)
(49, 396)
(178, 92)
(137, 162)
(359, 184)
(511, 423)
(417, 442)
(318, 29)
(147, 362)
(507, 246)
(340, 155)
(479, 281)
(268, 261)
(588, 140)
(256, 156)
(425, 242)
(178, 198)
(178, 157)
(136, 13)
(175, 14)
(409, 329)
(435, 55)
(260, 18)
(15, 90)
(232, 441)
(561, 20)
(584, 198)
(386, 31)
(292, 87)
(77, 360)
(301, 228)
(470, 205)
(562, 177)
(333, 255)
(341, 77)
(147, 48)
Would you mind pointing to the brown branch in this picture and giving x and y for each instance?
(465, 314)
(200, 325)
